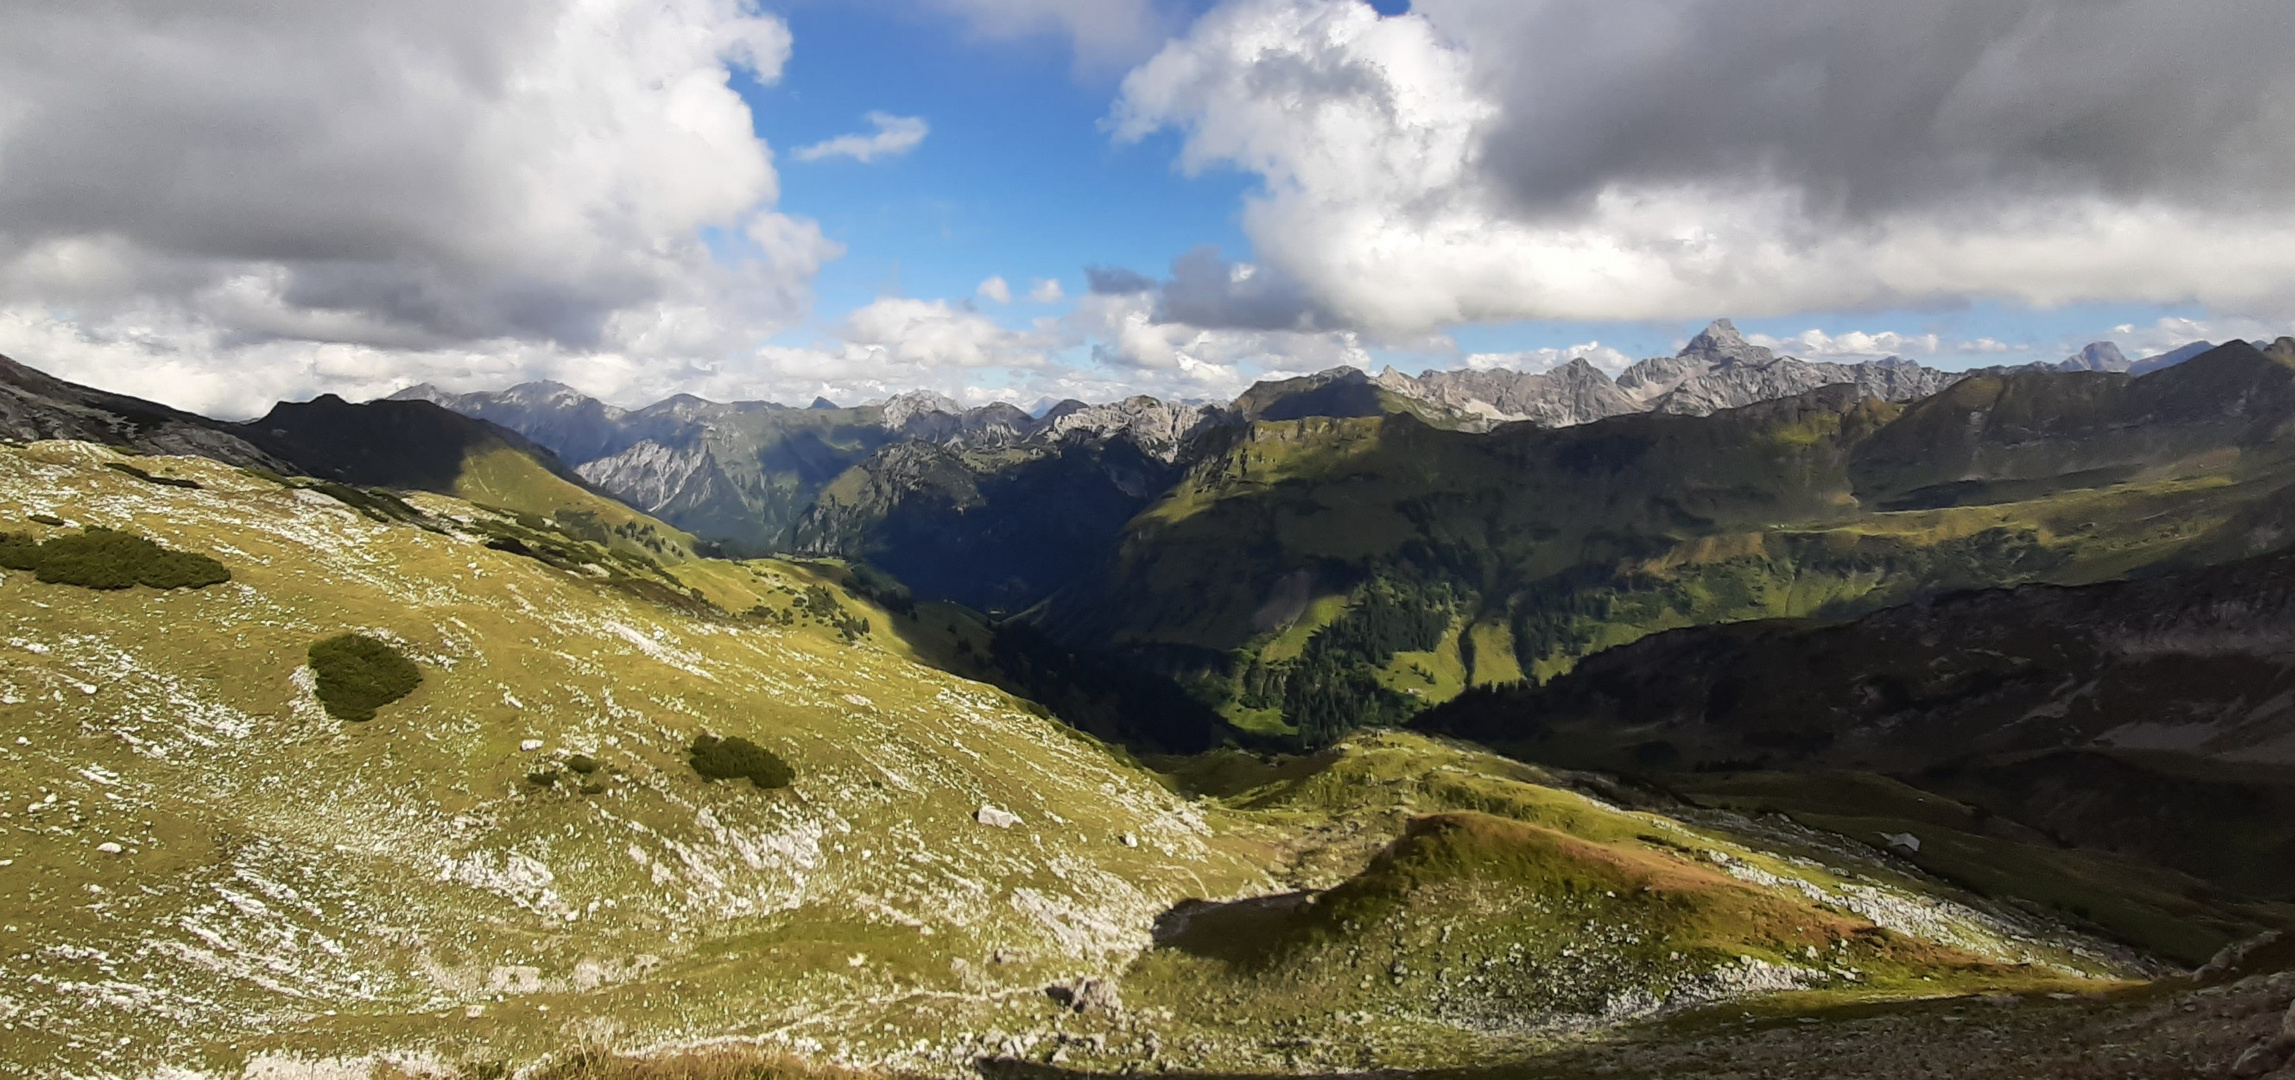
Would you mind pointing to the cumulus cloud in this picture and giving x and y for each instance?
(223, 205)
(2173, 331)
(997, 289)
(933, 334)
(1105, 33)
(1116, 281)
(1132, 340)
(1047, 291)
(1819, 345)
(1672, 159)
(894, 136)
(1206, 290)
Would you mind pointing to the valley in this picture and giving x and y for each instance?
(1336, 730)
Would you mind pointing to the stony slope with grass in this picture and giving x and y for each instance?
(515, 860)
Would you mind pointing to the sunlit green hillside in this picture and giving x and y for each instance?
(1317, 574)
(518, 861)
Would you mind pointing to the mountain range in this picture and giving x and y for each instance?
(1544, 720)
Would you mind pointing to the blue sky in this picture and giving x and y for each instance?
(269, 204)
(1017, 177)
(1021, 178)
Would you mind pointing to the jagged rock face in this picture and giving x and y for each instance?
(649, 475)
(1159, 428)
(35, 405)
(1719, 369)
(1574, 393)
(905, 407)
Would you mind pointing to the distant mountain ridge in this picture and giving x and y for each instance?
(747, 473)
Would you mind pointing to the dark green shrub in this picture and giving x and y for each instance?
(543, 778)
(377, 505)
(99, 558)
(166, 481)
(358, 674)
(582, 763)
(45, 519)
(19, 551)
(736, 758)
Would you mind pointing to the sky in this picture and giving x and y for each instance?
(226, 204)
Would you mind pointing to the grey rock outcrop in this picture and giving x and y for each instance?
(1573, 393)
(1719, 369)
(36, 405)
(1159, 428)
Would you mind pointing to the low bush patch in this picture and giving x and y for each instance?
(358, 674)
(736, 758)
(98, 558)
(164, 481)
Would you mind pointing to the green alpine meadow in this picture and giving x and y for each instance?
(1108, 539)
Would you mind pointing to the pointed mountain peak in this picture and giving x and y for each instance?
(1720, 344)
(2097, 356)
(822, 403)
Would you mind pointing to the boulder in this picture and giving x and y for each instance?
(995, 817)
(1087, 996)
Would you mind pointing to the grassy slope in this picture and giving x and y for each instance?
(1582, 539)
(350, 885)
(1454, 901)
(288, 885)
(504, 477)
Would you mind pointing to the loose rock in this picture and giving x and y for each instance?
(996, 817)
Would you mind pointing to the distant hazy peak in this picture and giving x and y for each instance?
(2096, 356)
(900, 408)
(422, 392)
(2170, 358)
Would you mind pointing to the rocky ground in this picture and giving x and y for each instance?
(2244, 1029)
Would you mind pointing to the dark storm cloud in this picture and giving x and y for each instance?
(1207, 290)
(409, 174)
(1117, 281)
(1872, 106)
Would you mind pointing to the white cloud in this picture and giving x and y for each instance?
(2173, 332)
(932, 333)
(260, 201)
(1661, 160)
(894, 136)
(1852, 344)
(1047, 291)
(1104, 33)
(997, 289)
